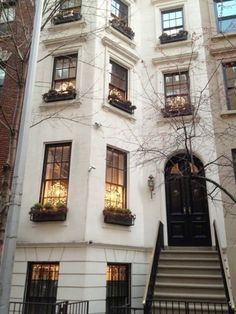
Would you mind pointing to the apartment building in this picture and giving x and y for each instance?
(128, 103)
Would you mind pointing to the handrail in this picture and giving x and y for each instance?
(149, 290)
(223, 267)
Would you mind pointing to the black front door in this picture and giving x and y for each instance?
(187, 207)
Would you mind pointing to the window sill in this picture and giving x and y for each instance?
(119, 35)
(222, 36)
(226, 113)
(123, 114)
(61, 103)
(174, 44)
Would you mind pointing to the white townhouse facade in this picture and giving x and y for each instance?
(127, 100)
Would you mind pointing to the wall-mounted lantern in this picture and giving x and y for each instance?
(151, 184)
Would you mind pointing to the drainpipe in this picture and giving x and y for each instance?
(9, 246)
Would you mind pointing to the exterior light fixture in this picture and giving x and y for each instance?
(151, 184)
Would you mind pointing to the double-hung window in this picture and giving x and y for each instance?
(2, 77)
(64, 76)
(7, 15)
(118, 80)
(177, 97)
(41, 288)
(230, 84)
(172, 21)
(226, 15)
(118, 287)
(55, 180)
(119, 10)
(116, 178)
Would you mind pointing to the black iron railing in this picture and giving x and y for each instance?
(148, 297)
(223, 267)
(176, 307)
(65, 307)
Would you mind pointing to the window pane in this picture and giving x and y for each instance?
(65, 72)
(56, 174)
(230, 82)
(2, 77)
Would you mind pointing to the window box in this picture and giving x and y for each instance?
(122, 27)
(181, 35)
(48, 212)
(61, 18)
(124, 105)
(54, 95)
(170, 111)
(119, 216)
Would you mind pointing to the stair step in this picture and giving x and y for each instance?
(189, 260)
(186, 269)
(189, 296)
(189, 278)
(189, 285)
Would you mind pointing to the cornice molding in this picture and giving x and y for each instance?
(65, 40)
(120, 49)
(221, 51)
(167, 3)
(180, 58)
(116, 33)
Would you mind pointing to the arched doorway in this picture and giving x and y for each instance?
(186, 202)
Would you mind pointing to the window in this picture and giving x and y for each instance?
(116, 178)
(118, 80)
(118, 286)
(172, 21)
(2, 77)
(56, 170)
(234, 161)
(119, 10)
(7, 14)
(70, 4)
(41, 287)
(226, 15)
(64, 76)
(230, 83)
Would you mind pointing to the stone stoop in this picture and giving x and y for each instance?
(189, 276)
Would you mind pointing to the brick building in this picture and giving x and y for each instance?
(16, 20)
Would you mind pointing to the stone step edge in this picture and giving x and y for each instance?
(200, 267)
(189, 259)
(194, 276)
(184, 296)
(190, 285)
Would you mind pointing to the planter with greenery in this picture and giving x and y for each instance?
(65, 17)
(170, 111)
(118, 216)
(181, 35)
(48, 212)
(115, 99)
(122, 27)
(55, 95)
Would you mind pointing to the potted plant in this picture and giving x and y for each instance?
(118, 216)
(116, 100)
(48, 212)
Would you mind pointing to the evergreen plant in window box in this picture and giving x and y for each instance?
(171, 111)
(66, 17)
(118, 216)
(48, 212)
(121, 26)
(57, 95)
(115, 99)
(181, 35)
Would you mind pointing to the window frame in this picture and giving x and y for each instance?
(121, 16)
(45, 163)
(224, 18)
(2, 68)
(165, 30)
(126, 72)
(7, 6)
(68, 79)
(227, 88)
(233, 154)
(180, 94)
(114, 290)
(123, 186)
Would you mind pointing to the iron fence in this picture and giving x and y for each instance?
(175, 307)
(65, 307)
